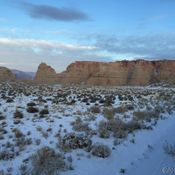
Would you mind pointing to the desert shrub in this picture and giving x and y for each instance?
(44, 112)
(104, 132)
(17, 133)
(3, 131)
(103, 129)
(18, 114)
(132, 126)
(24, 169)
(6, 155)
(95, 109)
(146, 115)
(79, 125)
(31, 104)
(85, 100)
(71, 102)
(41, 100)
(9, 100)
(47, 162)
(119, 128)
(108, 100)
(75, 141)
(141, 115)
(129, 107)
(31, 109)
(169, 149)
(2, 117)
(22, 142)
(100, 150)
(109, 113)
(122, 171)
(121, 109)
(37, 141)
(120, 133)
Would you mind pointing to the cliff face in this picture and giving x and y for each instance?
(6, 74)
(45, 74)
(138, 72)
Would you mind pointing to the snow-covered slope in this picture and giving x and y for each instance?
(139, 122)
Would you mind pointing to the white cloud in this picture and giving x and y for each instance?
(3, 63)
(43, 44)
(27, 54)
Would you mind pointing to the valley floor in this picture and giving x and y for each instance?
(92, 130)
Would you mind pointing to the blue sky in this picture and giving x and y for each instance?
(59, 32)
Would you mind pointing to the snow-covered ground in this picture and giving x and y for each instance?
(134, 123)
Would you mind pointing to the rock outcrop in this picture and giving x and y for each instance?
(45, 74)
(139, 72)
(6, 74)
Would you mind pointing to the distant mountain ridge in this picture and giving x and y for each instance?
(21, 75)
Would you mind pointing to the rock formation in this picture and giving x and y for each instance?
(46, 74)
(139, 72)
(6, 74)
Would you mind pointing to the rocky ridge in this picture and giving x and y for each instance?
(6, 74)
(121, 73)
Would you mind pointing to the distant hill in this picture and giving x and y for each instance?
(21, 75)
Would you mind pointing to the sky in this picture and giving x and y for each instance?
(59, 32)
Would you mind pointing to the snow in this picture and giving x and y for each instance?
(137, 158)
(144, 156)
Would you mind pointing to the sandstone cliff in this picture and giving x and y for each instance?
(6, 74)
(45, 74)
(139, 72)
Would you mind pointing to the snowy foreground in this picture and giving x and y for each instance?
(50, 130)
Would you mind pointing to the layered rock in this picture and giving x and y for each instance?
(139, 72)
(46, 74)
(6, 74)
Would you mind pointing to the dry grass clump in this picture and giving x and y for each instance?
(17, 133)
(31, 109)
(109, 113)
(74, 141)
(9, 100)
(109, 100)
(47, 162)
(146, 115)
(169, 149)
(103, 132)
(18, 114)
(31, 104)
(119, 128)
(20, 139)
(95, 109)
(121, 109)
(6, 155)
(44, 112)
(100, 150)
(79, 125)
(2, 117)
